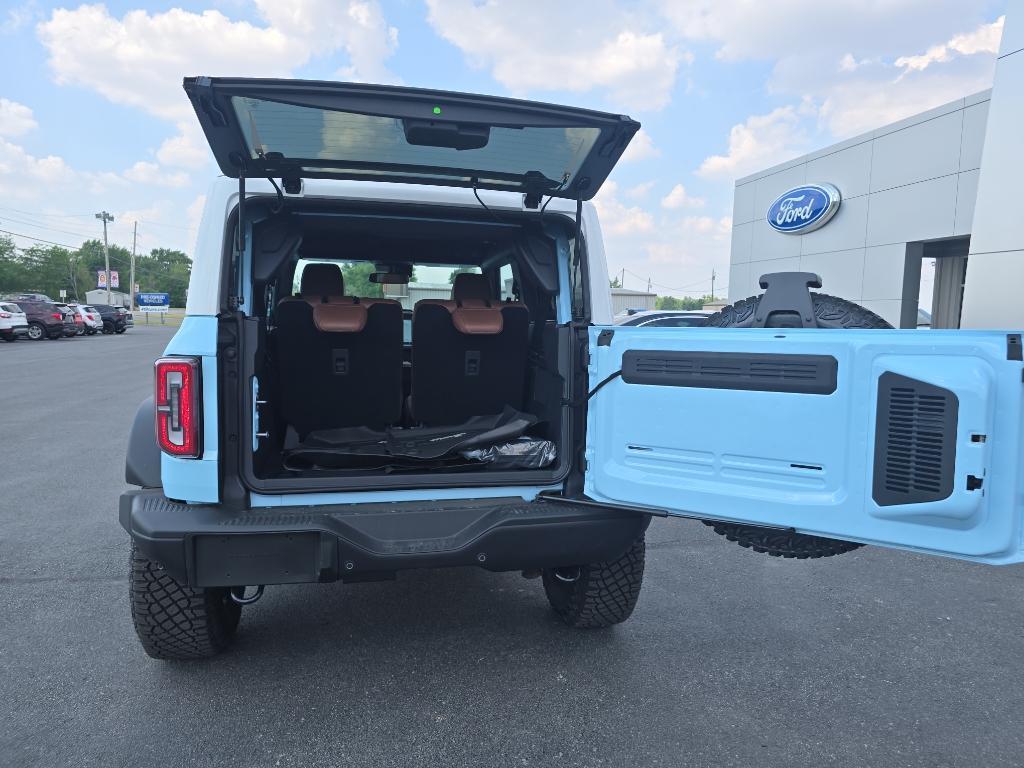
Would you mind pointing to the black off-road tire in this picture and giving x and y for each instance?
(176, 622)
(601, 594)
(778, 542)
(829, 312)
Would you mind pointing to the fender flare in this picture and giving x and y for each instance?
(142, 461)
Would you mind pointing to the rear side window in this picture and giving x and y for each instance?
(10, 307)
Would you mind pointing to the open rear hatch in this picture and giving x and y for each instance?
(294, 129)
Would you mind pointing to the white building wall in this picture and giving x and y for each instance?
(910, 181)
(995, 263)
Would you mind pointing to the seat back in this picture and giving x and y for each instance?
(468, 354)
(339, 357)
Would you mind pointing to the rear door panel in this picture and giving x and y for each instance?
(783, 428)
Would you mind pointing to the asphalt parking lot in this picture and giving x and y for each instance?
(731, 659)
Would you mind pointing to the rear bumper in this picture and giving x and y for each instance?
(206, 546)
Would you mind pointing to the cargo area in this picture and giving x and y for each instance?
(400, 343)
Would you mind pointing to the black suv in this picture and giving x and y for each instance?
(45, 320)
(115, 319)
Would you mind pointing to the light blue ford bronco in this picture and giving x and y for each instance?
(398, 353)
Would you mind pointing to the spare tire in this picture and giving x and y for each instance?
(829, 312)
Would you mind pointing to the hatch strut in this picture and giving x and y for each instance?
(241, 210)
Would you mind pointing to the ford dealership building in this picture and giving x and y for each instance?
(924, 213)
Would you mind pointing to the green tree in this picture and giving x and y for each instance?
(357, 280)
(684, 303)
(615, 283)
(164, 270)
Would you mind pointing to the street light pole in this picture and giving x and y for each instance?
(105, 217)
(131, 284)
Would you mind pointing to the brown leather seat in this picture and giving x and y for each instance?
(340, 357)
(468, 354)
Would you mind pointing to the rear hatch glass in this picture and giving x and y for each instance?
(305, 129)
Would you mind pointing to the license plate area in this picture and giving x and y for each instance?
(256, 558)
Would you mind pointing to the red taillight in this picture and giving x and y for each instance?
(57, 316)
(178, 398)
(90, 317)
(5, 315)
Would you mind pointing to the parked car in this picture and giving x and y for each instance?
(74, 325)
(129, 319)
(91, 319)
(45, 320)
(284, 444)
(13, 321)
(29, 296)
(667, 318)
(114, 318)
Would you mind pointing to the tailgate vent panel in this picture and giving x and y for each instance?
(915, 441)
(761, 372)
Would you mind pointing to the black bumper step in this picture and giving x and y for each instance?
(204, 545)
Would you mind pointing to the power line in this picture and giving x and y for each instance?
(666, 287)
(48, 215)
(39, 239)
(47, 227)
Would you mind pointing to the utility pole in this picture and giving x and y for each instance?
(712, 283)
(131, 285)
(622, 280)
(106, 217)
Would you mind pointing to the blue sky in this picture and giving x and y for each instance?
(92, 115)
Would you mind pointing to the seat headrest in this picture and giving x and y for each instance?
(322, 280)
(477, 319)
(469, 285)
(339, 318)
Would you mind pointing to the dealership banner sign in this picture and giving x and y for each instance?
(153, 302)
(804, 209)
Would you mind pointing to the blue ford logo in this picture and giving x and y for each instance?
(804, 209)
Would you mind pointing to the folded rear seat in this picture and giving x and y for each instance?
(468, 354)
(340, 357)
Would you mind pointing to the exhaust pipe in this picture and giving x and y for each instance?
(238, 595)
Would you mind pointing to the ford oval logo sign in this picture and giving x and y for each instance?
(804, 209)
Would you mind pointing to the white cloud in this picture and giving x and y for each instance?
(881, 77)
(640, 147)
(759, 142)
(327, 25)
(985, 39)
(618, 219)
(679, 198)
(541, 46)
(140, 59)
(23, 175)
(188, 149)
(151, 173)
(640, 191)
(15, 119)
(18, 17)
